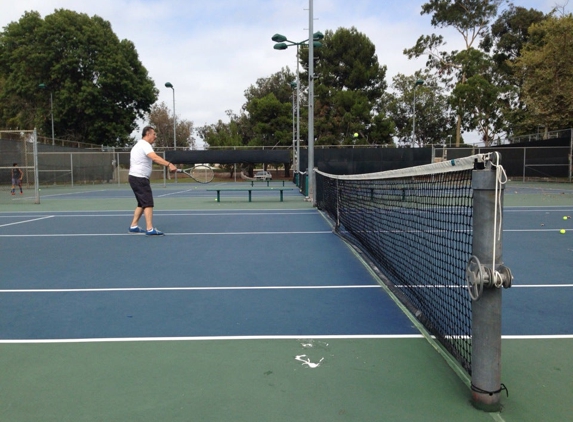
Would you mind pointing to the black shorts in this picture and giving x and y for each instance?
(142, 190)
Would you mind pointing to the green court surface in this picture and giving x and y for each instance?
(265, 378)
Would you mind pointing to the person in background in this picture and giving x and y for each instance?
(17, 175)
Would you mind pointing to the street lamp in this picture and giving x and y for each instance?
(418, 83)
(44, 86)
(282, 43)
(294, 86)
(170, 85)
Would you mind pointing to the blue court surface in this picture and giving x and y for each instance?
(266, 271)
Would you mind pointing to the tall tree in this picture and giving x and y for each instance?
(505, 40)
(99, 86)
(269, 110)
(223, 134)
(161, 117)
(349, 87)
(546, 66)
(435, 120)
(470, 18)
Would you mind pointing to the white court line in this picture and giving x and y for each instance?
(530, 230)
(540, 286)
(27, 221)
(284, 337)
(172, 214)
(167, 289)
(174, 193)
(540, 337)
(168, 234)
(70, 193)
(160, 289)
(215, 338)
(454, 286)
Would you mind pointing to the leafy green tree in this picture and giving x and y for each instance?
(223, 134)
(435, 120)
(546, 66)
(349, 86)
(279, 84)
(269, 110)
(470, 18)
(161, 117)
(99, 86)
(506, 39)
(271, 121)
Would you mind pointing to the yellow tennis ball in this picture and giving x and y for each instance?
(562, 231)
(565, 217)
(356, 134)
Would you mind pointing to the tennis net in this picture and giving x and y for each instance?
(415, 226)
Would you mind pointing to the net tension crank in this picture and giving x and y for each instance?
(479, 276)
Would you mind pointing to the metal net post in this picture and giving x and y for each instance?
(489, 275)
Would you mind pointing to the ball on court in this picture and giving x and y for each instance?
(356, 134)
(565, 217)
(562, 231)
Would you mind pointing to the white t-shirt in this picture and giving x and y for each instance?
(139, 162)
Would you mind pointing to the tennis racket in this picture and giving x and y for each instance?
(200, 173)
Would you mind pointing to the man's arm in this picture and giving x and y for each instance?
(157, 159)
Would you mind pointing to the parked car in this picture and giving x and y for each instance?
(263, 175)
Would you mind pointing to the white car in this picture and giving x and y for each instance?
(263, 175)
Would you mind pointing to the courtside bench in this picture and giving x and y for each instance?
(268, 182)
(250, 190)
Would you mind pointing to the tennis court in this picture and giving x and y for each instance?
(253, 311)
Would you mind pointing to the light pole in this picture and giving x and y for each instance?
(418, 83)
(170, 85)
(294, 86)
(282, 43)
(43, 86)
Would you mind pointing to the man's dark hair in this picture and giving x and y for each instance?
(146, 129)
(15, 164)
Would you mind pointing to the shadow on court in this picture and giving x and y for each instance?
(248, 312)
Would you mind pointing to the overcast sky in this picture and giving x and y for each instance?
(212, 51)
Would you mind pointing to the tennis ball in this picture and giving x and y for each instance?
(356, 134)
(562, 231)
(565, 217)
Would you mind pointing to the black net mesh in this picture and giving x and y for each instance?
(418, 231)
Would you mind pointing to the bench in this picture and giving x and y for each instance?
(250, 190)
(268, 182)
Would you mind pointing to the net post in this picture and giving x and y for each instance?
(486, 310)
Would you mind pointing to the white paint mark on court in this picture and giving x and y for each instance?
(27, 221)
(306, 361)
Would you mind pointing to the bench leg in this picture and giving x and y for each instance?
(250, 195)
(281, 195)
(218, 196)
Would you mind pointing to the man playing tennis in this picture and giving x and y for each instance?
(141, 160)
(17, 175)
